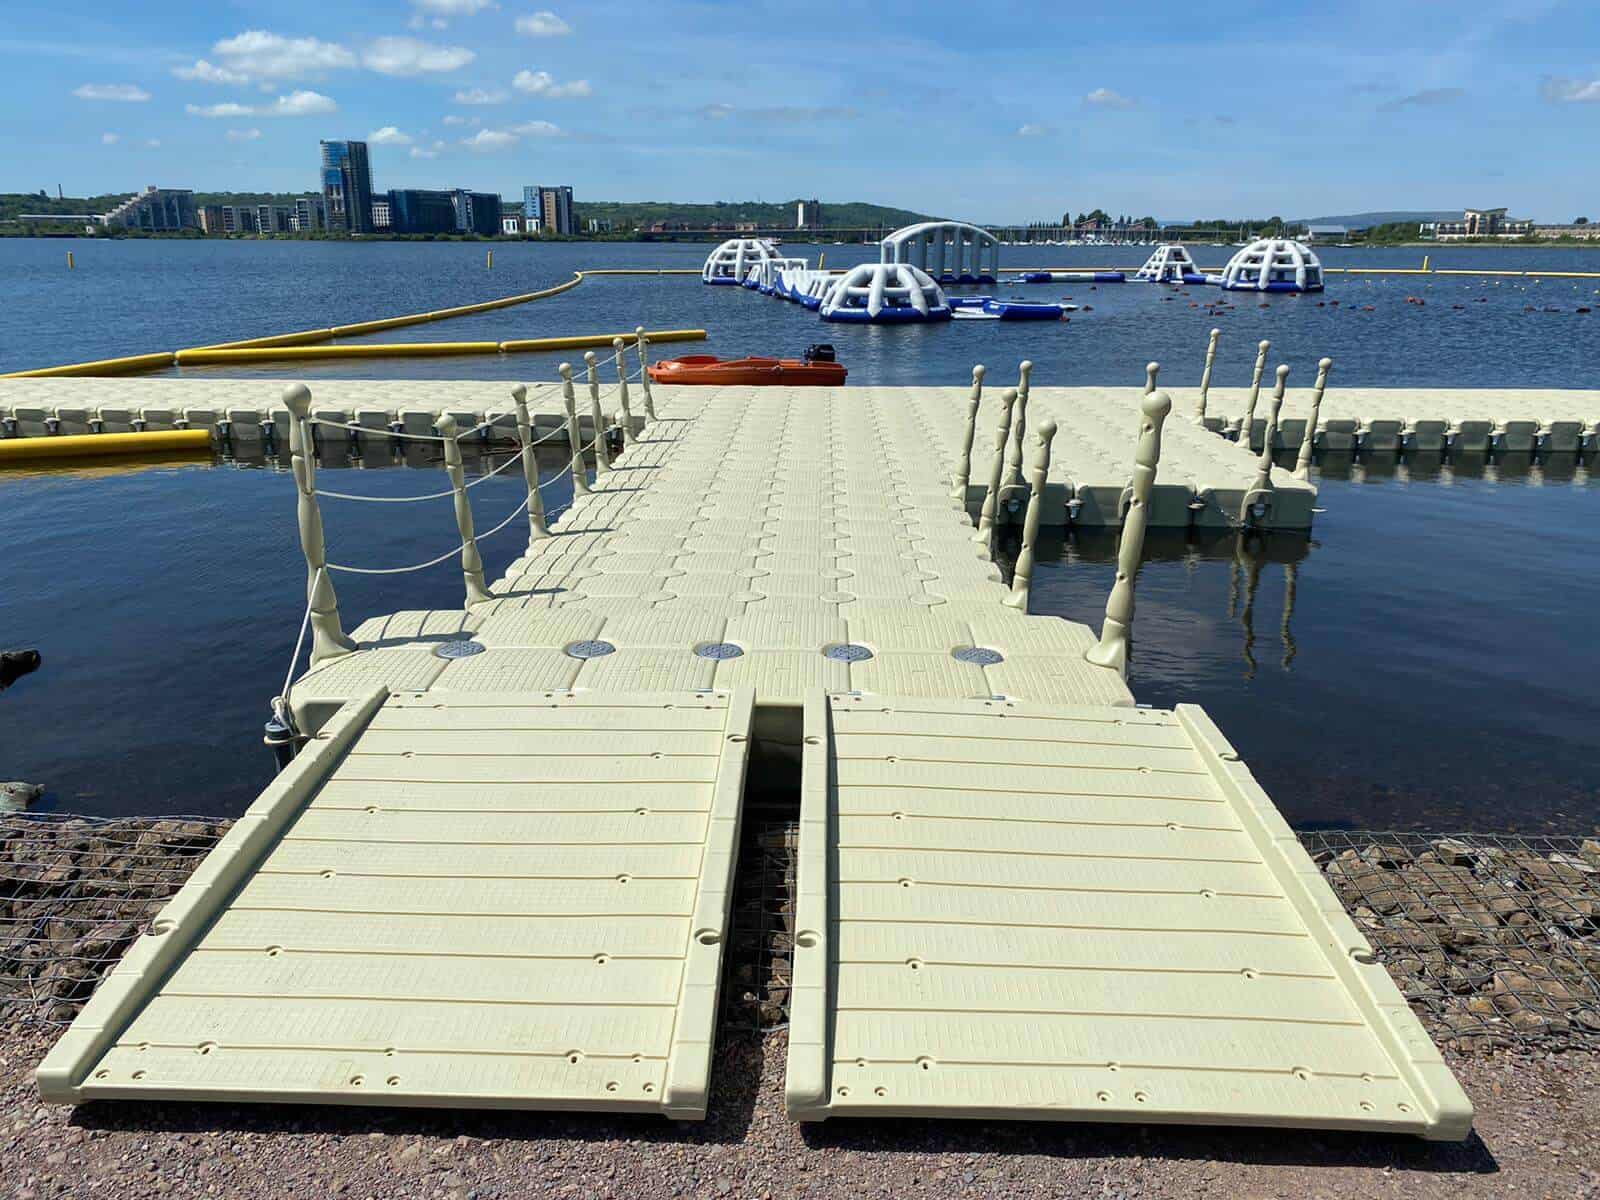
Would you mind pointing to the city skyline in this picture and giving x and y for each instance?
(1289, 110)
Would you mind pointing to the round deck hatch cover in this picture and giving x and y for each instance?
(980, 656)
(719, 650)
(590, 649)
(847, 652)
(457, 649)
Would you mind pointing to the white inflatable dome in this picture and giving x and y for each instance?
(1273, 265)
(885, 293)
(732, 261)
(1169, 264)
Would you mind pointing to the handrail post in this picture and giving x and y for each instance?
(1205, 378)
(471, 560)
(643, 345)
(1252, 509)
(328, 639)
(602, 456)
(1112, 649)
(537, 528)
(997, 467)
(628, 431)
(1255, 393)
(958, 490)
(1019, 429)
(1038, 475)
(580, 472)
(1302, 463)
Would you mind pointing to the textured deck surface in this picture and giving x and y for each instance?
(513, 901)
(1009, 910)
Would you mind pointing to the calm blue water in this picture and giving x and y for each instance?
(1438, 669)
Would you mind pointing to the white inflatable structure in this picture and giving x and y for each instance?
(883, 293)
(732, 261)
(810, 288)
(1169, 264)
(950, 251)
(1273, 265)
(769, 274)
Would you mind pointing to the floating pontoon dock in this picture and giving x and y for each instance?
(498, 873)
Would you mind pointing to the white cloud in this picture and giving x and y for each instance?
(258, 54)
(1106, 98)
(205, 72)
(153, 143)
(123, 93)
(489, 140)
(453, 119)
(542, 83)
(1034, 129)
(299, 103)
(481, 96)
(1557, 90)
(389, 136)
(429, 151)
(408, 56)
(453, 8)
(110, 139)
(543, 23)
(243, 135)
(537, 129)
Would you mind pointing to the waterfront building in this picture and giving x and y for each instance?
(513, 224)
(1578, 229)
(1479, 223)
(211, 220)
(416, 210)
(476, 212)
(159, 210)
(807, 214)
(347, 186)
(308, 214)
(599, 225)
(550, 207)
(380, 213)
(272, 218)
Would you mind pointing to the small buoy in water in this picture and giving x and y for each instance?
(1581, 309)
(1087, 308)
(14, 664)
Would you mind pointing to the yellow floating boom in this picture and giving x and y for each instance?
(101, 366)
(257, 354)
(96, 445)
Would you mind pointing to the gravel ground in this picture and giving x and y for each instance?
(1538, 1135)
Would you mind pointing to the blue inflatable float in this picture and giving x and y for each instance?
(1074, 277)
(1023, 310)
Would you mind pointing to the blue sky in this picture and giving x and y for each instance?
(996, 112)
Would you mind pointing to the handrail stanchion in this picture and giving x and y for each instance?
(1302, 463)
(1112, 649)
(628, 431)
(1019, 429)
(537, 528)
(602, 456)
(643, 344)
(580, 472)
(1038, 475)
(1258, 500)
(963, 477)
(1247, 430)
(1205, 378)
(471, 560)
(328, 639)
(997, 467)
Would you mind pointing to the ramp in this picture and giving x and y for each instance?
(1009, 910)
(501, 901)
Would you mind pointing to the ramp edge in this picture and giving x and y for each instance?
(185, 917)
(806, 1071)
(688, 1075)
(1448, 1111)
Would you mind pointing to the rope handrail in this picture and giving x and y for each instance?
(432, 562)
(515, 453)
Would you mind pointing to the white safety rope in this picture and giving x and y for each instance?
(516, 456)
(432, 562)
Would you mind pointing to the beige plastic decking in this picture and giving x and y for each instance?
(483, 901)
(1012, 910)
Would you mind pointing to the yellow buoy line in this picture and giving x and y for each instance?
(98, 444)
(221, 354)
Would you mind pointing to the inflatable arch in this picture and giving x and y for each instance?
(1170, 263)
(882, 293)
(731, 262)
(769, 273)
(1273, 265)
(949, 251)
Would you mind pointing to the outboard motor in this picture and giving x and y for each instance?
(820, 352)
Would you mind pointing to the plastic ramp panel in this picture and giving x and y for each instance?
(492, 901)
(1010, 911)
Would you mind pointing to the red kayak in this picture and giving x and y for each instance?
(708, 369)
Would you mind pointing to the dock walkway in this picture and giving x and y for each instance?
(498, 873)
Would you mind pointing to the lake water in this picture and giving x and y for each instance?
(1438, 669)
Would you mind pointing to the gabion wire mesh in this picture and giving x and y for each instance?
(759, 964)
(74, 894)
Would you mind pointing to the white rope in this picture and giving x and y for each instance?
(515, 457)
(432, 562)
(280, 702)
(427, 437)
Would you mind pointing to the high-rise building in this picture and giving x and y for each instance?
(413, 210)
(807, 214)
(347, 186)
(380, 213)
(476, 212)
(160, 210)
(550, 207)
